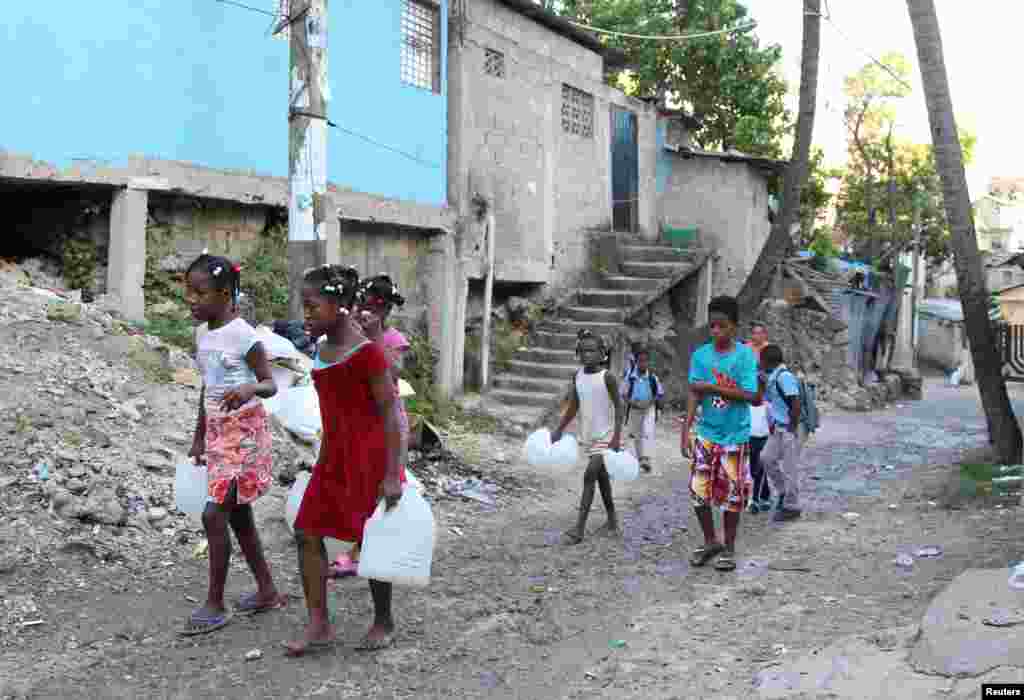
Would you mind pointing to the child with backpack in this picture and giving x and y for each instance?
(781, 455)
(643, 395)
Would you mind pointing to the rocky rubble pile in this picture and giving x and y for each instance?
(814, 345)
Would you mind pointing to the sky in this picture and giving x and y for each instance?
(982, 42)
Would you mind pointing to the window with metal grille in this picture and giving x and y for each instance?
(421, 45)
(494, 63)
(577, 112)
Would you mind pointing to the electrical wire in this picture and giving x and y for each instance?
(874, 60)
(247, 7)
(662, 37)
(386, 147)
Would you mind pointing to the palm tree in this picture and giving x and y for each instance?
(780, 243)
(1004, 431)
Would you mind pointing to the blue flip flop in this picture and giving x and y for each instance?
(197, 624)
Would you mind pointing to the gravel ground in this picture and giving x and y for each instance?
(511, 613)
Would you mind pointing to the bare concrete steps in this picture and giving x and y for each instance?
(530, 384)
(630, 284)
(609, 298)
(658, 253)
(545, 370)
(536, 381)
(653, 270)
(510, 397)
(592, 314)
(555, 340)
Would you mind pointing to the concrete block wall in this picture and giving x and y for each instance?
(547, 187)
(728, 203)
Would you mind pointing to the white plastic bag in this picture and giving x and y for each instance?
(541, 452)
(277, 346)
(398, 545)
(284, 379)
(191, 488)
(621, 466)
(299, 412)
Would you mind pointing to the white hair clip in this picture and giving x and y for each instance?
(330, 288)
(343, 311)
(206, 251)
(217, 270)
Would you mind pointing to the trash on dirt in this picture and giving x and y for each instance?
(930, 551)
(474, 490)
(889, 468)
(1017, 576)
(538, 589)
(894, 506)
(851, 517)
(41, 472)
(33, 623)
(200, 550)
(617, 644)
(779, 649)
(423, 435)
(904, 561)
(253, 655)
(1005, 618)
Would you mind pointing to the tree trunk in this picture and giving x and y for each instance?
(779, 245)
(1005, 434)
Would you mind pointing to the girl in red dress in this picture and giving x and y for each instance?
(359, 453)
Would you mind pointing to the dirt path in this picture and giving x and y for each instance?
(513, 614)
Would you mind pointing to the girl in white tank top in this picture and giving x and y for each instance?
(597, 407)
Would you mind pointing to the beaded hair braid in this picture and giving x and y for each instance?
(224, 273)
(383, 287)
(339, 282)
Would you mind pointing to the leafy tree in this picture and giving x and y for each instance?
(814, 197)
(730, 82)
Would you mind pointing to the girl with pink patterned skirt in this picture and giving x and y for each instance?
(379, 296)
(232, 436)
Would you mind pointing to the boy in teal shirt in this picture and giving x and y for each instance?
(723, 379)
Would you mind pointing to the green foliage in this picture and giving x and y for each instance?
(171, 329)
(420, 361)
(730, 82)
(814, 196)
(265, 275)
(886, 176)
(79, 263)
(161, 285)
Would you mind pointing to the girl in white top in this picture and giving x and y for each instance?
(594, 400)
(760, 501)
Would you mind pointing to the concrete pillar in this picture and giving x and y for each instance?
(459, 328)
(705, 285)
(903, 353)
(647, 150)
(441, 310)
(332, 232)
(126, 262)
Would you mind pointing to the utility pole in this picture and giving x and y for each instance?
(308, 96)
(915, 294)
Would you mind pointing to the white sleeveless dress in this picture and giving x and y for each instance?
(596, 415)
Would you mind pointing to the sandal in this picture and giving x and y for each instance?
(197, 624)
(250, 604)
(572, 537)
(703, 554)
(726, 562)
(377, 645)
(344, 567)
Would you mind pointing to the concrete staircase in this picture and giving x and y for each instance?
(537, 378)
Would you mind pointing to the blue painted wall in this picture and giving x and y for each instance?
(202, 82)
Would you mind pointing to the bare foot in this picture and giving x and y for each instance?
(610, 529)
(316, 638)
(573, 536)
(380, 636)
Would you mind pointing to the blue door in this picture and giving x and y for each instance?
(625, 170)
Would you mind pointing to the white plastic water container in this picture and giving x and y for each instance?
(191, 488)
(621, 466)
(334, 547)
(1017, 577)
(294, 502)
(398, 545)
(539, 451)
(299, 412)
